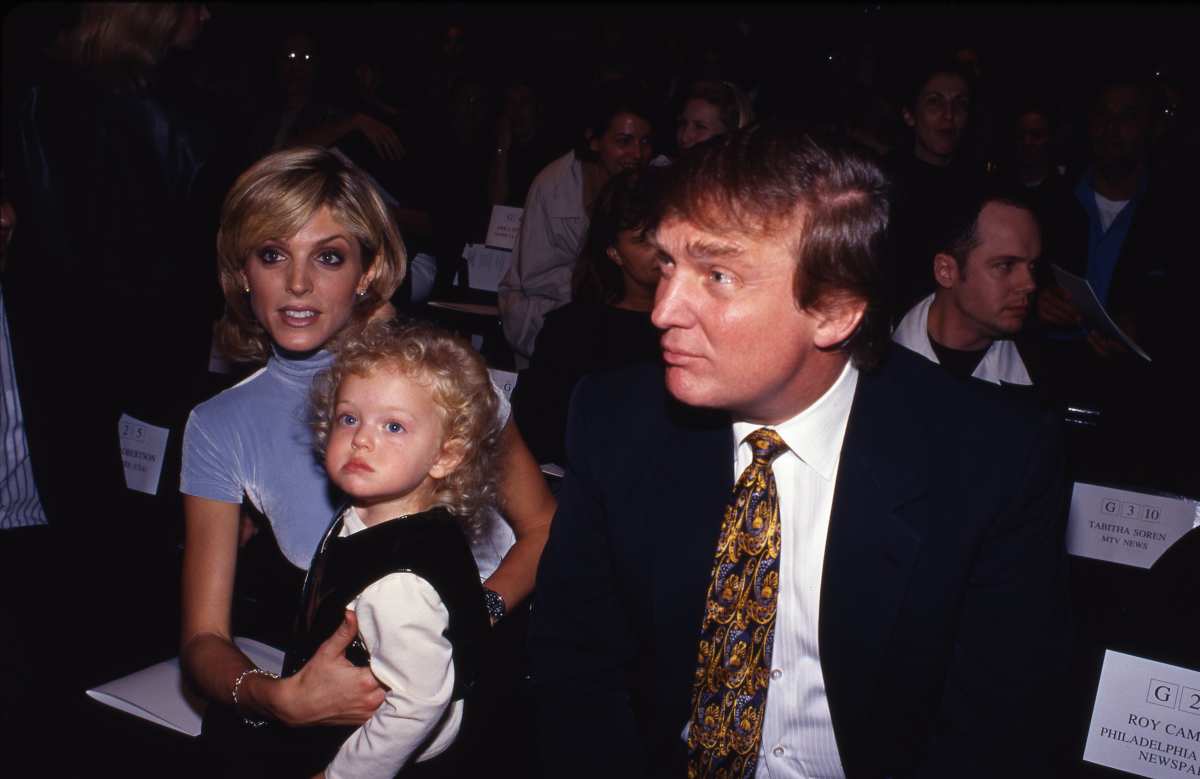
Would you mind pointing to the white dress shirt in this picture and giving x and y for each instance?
(798, 736)
(20, 505)
(402, 622)
(1001, 363)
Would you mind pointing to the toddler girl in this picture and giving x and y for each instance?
(406, 421)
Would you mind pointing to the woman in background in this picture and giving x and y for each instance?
(607, 323)
(712, 108)
(554, 223)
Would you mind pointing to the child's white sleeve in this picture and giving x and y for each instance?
(402, 620)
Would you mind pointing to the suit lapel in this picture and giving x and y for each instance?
(875, 534)
(691, 485)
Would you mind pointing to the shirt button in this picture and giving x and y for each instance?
(777, 751)
(777, 674)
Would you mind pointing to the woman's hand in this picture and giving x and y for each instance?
(329, 689)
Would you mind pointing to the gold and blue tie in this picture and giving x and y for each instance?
(729, 693)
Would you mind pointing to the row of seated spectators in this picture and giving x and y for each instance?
(117, 161)
(1116, 222)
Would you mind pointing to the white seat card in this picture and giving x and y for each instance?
(142, 449)
(1122, 526)
(1146, 719)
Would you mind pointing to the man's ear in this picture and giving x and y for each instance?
(592, 140)
(837, 319)
(453, 452)
(908, 117)
(615, 256)
(945, 270)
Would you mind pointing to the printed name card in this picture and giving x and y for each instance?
(1146, 719)
(1121, 526)
(142, 448)
(503, 227)
(486, 266)
(505, 380)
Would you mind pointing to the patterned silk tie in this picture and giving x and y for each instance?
(729, 694)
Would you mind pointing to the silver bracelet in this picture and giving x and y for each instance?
(254, 723)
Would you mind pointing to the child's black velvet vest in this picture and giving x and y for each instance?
(430, 545)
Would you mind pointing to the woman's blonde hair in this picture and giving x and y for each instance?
(461, 387)
(732, 104)
(122, 42)
(275, 198)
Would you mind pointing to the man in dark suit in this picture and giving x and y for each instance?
(886, 596)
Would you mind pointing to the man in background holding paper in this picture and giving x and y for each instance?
(1128, 251)
(1138, 256)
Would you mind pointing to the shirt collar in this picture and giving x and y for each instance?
(815, 434)
(351, 523)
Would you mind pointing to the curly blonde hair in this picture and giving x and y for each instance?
(276, 197)
(461, 386)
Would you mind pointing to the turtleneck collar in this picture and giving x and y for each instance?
(299, 366)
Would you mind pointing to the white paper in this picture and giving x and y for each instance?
(486, 266)
(503, 227)
(479, 309)
(1092, 310)
(1122, 526)
(158, 694)
(142, 448)
(1146, 719)
(505, 380)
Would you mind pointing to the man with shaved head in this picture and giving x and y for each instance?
(780, 552)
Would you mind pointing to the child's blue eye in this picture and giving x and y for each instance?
(347, 420)
(395, 427)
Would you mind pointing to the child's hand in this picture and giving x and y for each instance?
(329, 689)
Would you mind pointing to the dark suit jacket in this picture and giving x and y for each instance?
(942, 623)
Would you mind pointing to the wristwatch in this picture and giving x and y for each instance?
(495, 605)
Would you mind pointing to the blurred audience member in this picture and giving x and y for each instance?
(105, 181)
(1129, 227)
(616, 139)
(522, 145)
(929, 176)
(606, 324)
(1133, 260)
(712, 108)
(302, 119)
(458, 160)
(1034, 169)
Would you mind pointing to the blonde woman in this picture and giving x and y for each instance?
(306, 253)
